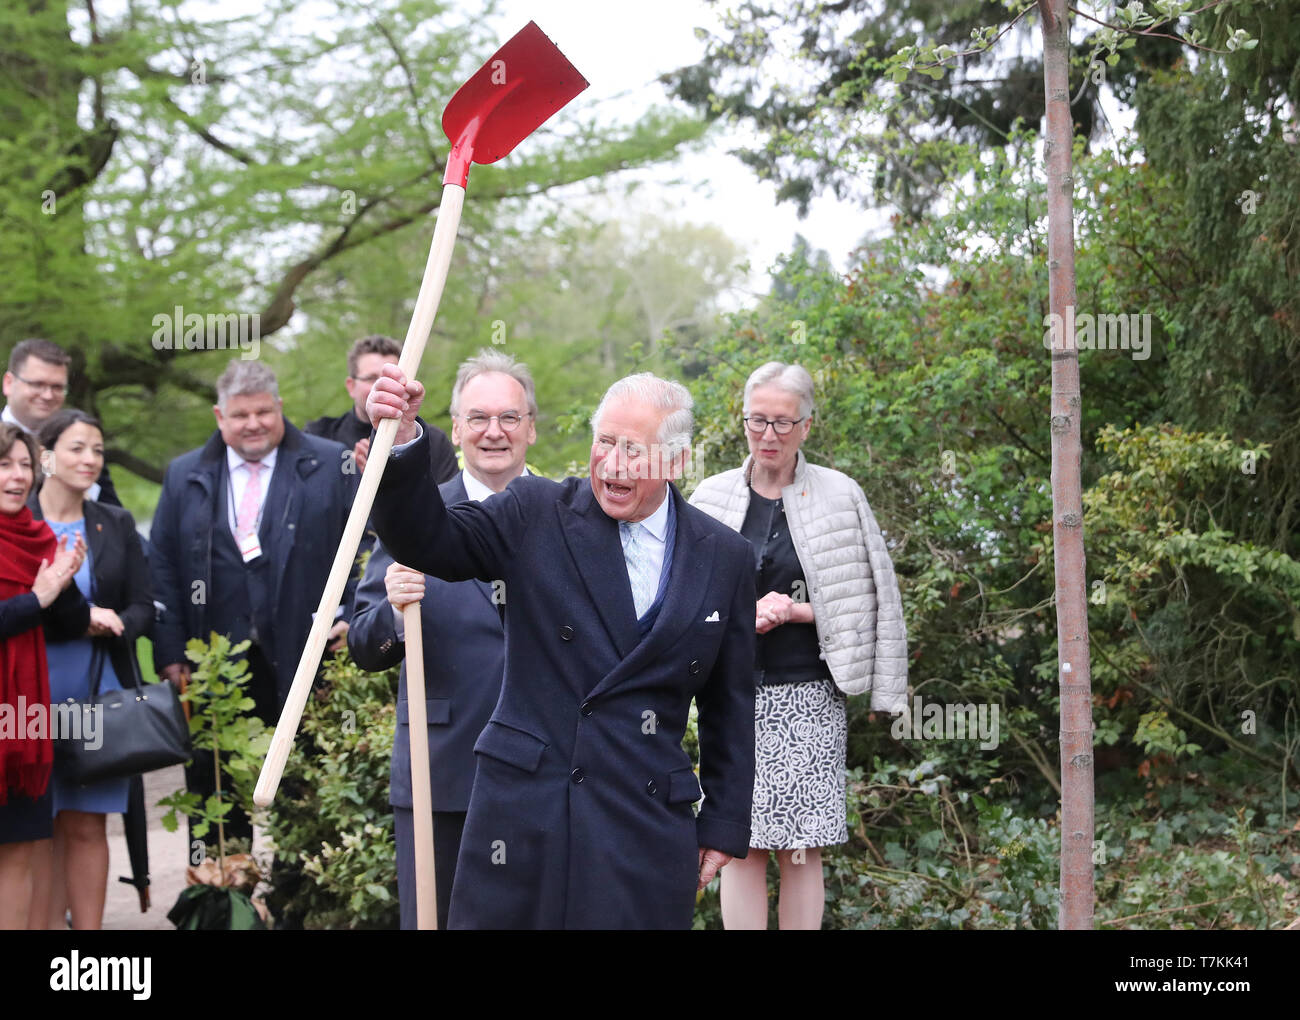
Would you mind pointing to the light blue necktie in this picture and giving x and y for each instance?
(640, 566)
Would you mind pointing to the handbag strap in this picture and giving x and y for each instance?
(101, 650)
(97, 656)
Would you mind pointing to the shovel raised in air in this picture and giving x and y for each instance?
(505, 101)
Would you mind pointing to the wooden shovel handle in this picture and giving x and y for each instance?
(417, 335)
(426, 887)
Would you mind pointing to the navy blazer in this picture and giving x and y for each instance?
(302, 523)
(581, 814)
(464, 657)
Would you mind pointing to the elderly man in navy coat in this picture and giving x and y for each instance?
(622, 604)
(493, 410)
(243, 538)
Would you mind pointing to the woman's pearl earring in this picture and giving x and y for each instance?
(47, 465)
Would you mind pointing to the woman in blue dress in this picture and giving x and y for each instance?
(114, 579)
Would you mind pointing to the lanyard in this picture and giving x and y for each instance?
(234, 515)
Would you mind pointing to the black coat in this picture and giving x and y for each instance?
(581, 814)
(120, 580)
(348, 429)
(302, 522)
(464, 657)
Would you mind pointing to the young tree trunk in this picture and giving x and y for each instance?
(1067, 500)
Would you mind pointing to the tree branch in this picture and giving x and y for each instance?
(1181, 40)
(410, 87)
(134, 464)
(1020, 441)
(192, 123)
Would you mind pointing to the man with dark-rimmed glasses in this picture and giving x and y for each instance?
(35, 387)
(366, 358)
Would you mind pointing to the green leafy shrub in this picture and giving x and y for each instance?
(331, 824)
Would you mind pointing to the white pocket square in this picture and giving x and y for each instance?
(712, 617)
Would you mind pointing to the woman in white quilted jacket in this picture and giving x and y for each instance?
(829, 623)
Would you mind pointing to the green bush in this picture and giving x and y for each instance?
(331, 824)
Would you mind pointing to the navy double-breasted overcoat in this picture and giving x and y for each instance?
(581, 815)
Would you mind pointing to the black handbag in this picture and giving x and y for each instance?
(140, 728)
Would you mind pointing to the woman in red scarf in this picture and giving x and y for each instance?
(36, 597)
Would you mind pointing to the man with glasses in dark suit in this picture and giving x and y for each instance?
(494, 414)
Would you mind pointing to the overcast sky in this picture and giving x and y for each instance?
(621, 48)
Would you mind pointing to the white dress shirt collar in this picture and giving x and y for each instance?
(475, 489)
(234, 460)
(657, 522)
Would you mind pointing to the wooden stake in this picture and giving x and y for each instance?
(426, 885)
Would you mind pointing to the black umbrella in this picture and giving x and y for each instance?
(135, 822)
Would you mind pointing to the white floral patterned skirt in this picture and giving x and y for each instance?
(801, 732)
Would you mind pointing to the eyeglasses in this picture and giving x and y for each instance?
(479, 422)
(369, 380)
(781, 426)
(53, 389)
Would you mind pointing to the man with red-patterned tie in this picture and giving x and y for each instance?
(243, 538)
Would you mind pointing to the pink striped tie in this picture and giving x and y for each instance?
(246, 518)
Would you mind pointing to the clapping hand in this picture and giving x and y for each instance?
(52, 578)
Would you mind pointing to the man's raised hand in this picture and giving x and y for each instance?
(393, 396)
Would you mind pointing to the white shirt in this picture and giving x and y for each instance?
(9, 418)
(237, 469)
(474, 489)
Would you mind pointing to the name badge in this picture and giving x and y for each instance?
(250, 547)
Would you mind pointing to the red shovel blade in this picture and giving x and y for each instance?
(506, 100)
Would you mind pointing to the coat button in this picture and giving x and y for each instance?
(577, 776)
(694, 666)
(566, 633)
(650, 788)
(586, 708)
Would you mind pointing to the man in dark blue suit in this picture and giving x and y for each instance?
(622, 604)
(243, 539)
(494, 410)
